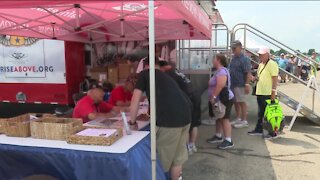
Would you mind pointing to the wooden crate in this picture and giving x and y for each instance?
(96, 71)
(55, 128)
(95, 140)
(113, 76)
(3, 122)
(125, 70)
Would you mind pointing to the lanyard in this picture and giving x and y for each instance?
(263, 68)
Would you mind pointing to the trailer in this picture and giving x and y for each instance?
(38, 75)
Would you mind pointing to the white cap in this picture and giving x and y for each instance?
(264, 50)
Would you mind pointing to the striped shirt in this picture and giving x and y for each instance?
(239, 68)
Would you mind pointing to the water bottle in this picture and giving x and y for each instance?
(125, 123)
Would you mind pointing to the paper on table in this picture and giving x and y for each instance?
(119, 118)
(103, 121)
(97, 132)
(100, 118)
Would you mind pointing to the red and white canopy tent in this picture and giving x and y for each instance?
(90, 21)
(101, 21)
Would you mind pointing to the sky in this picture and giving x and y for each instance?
(294, 23)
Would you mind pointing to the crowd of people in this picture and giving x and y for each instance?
(237, 78)
(178, 103)
(301, 68)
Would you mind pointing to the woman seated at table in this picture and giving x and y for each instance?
(92, 106)
(121, 95)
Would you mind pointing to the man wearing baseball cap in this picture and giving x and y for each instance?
(240, 73)
(267, 79)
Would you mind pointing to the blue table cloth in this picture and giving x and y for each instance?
(17, 162)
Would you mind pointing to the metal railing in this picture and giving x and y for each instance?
(292, 76)
(184, 49)
(248, 28)
(281, 69)
(273, 41)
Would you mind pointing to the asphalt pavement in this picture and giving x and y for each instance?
(294, 155)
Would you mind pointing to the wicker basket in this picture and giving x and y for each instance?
(96, 140)
(18, 126)
(2, 125)
(55, 128)
(43, 115)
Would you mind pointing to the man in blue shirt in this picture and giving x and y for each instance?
(282, 63)
(240, 72)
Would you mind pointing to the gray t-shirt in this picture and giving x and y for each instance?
(239, 68)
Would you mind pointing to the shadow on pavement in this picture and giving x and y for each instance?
(303, 125)
(294, 142)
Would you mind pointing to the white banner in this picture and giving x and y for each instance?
(41, 61)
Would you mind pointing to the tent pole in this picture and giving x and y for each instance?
(122, 20)
(152, 87)
(77, 16)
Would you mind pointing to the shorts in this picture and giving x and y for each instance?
(222, 111)
(239, 94)
(282, 74)
(171, 146)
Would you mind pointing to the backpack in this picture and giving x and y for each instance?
(273, 117)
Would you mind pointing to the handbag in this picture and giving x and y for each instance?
(254, 88)
(219, 110)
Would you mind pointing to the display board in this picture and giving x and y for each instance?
(30, 60)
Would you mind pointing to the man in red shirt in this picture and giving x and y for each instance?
(92, 106)
(121, 95)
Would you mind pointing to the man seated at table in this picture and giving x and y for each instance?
(121, 95)
(92, 106)
(173, 117)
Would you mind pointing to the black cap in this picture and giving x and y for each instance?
(146, 60)
(236, 43)
(163, 63)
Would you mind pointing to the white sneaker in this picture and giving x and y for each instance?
(241, 124)
(209, 122)
(194, 149)
(235, 121)
(190, 151)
